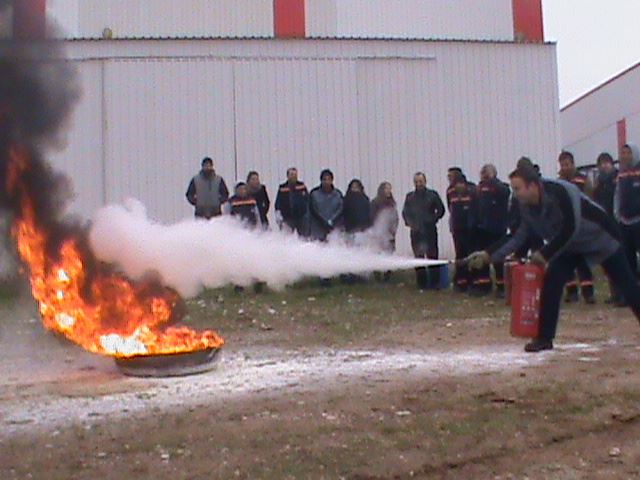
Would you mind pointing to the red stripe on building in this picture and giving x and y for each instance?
(289, 18)
(622, 133)
(29, 19)
(527, 20)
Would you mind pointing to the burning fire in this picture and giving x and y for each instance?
(99, 310)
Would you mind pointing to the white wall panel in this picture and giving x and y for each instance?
(297, 113)
(603, 107)
(163, 117)
(378, 110)
(176, 18)
(587, 150)
(459, 19)
(82, 152)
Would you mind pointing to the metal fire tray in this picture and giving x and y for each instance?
(170, 365)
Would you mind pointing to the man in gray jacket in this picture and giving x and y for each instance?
(573, 228)
(325, 207)
(207, 191)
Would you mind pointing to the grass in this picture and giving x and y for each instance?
(336, 315)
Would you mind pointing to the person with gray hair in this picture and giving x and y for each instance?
(493, 216)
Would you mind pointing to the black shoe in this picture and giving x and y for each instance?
(590, 300)
(538, 345)
(500, 293)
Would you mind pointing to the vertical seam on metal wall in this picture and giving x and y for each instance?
(105, 128)
(235, 121)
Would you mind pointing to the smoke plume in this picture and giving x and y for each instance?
(194, 254)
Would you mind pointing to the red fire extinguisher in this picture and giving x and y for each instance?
(526, 286)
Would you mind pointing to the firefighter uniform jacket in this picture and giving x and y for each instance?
(462, 207)
(246, 209)
(493, 206)
(292, 201)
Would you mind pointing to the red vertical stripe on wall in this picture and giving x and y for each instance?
(527, 20)
(289, 18)
(622, 133)
(29, 19)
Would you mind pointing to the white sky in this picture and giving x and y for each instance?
(596, 40)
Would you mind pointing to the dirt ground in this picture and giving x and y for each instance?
(458, 409)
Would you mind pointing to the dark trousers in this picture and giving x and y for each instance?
(561, 270)
(584, 279)
(298, 225)
(462, 242)
(425, 245)
(483, 281)
(631, 241)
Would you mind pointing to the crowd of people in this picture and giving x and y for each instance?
(480, 215)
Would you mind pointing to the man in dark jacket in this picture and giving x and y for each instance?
(461, 200)
(605, 187)
(627, 202)
(325, 207)
(423, 209)
(569, 173)
(574, 228)
(513, 223)
(292, 204)
(259, 192)
(207, 191)
(603, 193)
(493, 210)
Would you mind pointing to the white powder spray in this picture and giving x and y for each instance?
(194, 254)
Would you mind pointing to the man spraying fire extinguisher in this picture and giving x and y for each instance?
(573, 228)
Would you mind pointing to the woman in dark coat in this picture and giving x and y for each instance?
(356, 216)
(356, 209)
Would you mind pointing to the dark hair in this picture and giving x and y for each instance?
(240, 184)
(455, 170)
(526, 173)
(524, 162)
(291, 169)
(326, 172)
(422, 174)
(566, 155)
(251, 174)
(604, 157)
(353, 182)
(206, 160)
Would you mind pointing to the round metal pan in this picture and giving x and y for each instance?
(171, 365)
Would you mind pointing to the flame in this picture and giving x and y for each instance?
(104, 312)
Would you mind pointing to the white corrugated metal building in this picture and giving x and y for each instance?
(374, 89)
(603, 119)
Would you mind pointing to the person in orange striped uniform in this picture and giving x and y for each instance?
(569, 173)
(244, 207)
(461, 201)
(493, 213)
